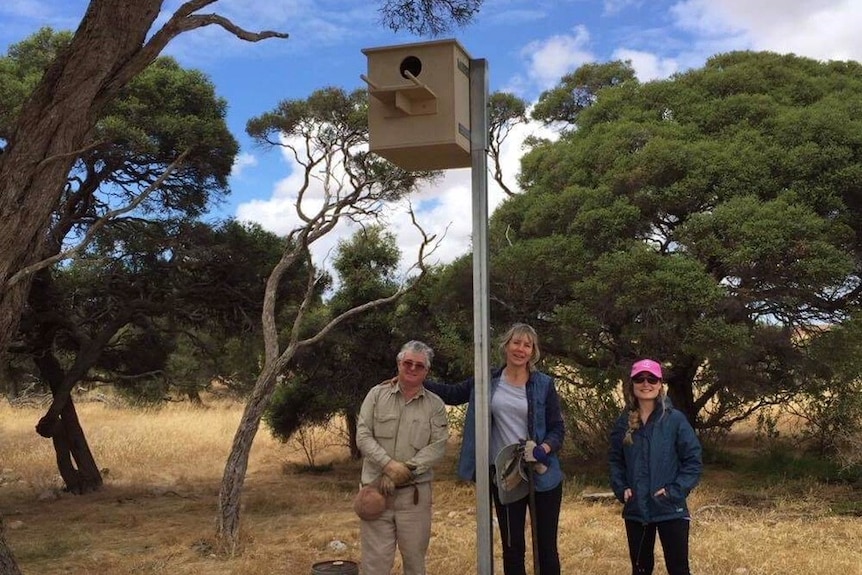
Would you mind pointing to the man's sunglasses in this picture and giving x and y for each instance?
(408, 364)
(645, 379)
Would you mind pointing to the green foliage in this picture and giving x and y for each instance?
(174, 305)
(505, 112)
(442, 318)
(119, 308)
(711, 220)
(590, 409)
(580, 90)
(783, 464)
(166, 110)
(22, 68)
(366, 265)
(240, 362)
(831, 401)
(324, 107)
(334, 375)
(505, 108)
(706, 220)
(145, 392)
(294, 405)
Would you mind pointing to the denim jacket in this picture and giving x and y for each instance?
(544, 422)
(665, 454)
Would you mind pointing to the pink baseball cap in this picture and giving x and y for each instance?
(648, 366)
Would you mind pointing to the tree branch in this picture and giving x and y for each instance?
(183, 20)
(99, 224)
(420, 264)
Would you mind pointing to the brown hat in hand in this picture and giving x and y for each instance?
(369, 503)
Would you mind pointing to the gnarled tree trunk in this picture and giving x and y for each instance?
(351, 417)
(75, 461)
(8, 566)
(236, 466)
(110, 47)
(51, 126)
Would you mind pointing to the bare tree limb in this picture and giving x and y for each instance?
(99, 224)
(66, 155)
(405, 288)
(183, 20)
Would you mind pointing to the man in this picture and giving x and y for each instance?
(401, 432)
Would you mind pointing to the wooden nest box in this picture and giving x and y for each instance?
(419, 104)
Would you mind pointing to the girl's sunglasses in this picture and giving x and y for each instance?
(645, 379)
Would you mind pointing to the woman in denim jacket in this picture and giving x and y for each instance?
(524, 406)
(655, 461)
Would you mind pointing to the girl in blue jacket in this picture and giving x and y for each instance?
(524, 406)
(655, 461)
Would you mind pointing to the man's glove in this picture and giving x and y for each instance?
(386, 486)
(398, 472)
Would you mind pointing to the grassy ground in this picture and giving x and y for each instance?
(156, 513)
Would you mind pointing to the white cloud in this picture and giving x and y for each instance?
(647, 66)
(243, 160)
(550, 59)
(443, 209)
(822, 29)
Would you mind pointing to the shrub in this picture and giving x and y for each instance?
(589, 413)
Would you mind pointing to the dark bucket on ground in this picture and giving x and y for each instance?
(339, 567)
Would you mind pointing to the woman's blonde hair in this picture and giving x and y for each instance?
(522, 329)
(634, 415)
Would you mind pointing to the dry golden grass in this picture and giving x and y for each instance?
(156, 512)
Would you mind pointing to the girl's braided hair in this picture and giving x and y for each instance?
(635, 416)
(634, 424)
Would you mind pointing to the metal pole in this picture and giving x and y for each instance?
(481, 303)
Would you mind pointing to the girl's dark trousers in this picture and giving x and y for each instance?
(674, 542)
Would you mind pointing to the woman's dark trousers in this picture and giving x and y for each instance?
(512, 520)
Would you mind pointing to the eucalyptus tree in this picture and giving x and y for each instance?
(221, 272)
(332, 377)
(54, 125)
(326, 135)
(505, 112)
(173, 308)
(115, 42)
(711, 220)
(708, 220)
(158, 157)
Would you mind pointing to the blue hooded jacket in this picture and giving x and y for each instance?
(544, 422)
(665, 454)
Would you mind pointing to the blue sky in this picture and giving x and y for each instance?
(529, 45)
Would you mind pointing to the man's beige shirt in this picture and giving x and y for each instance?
(414, 432)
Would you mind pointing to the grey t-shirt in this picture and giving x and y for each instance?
(508, 416)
